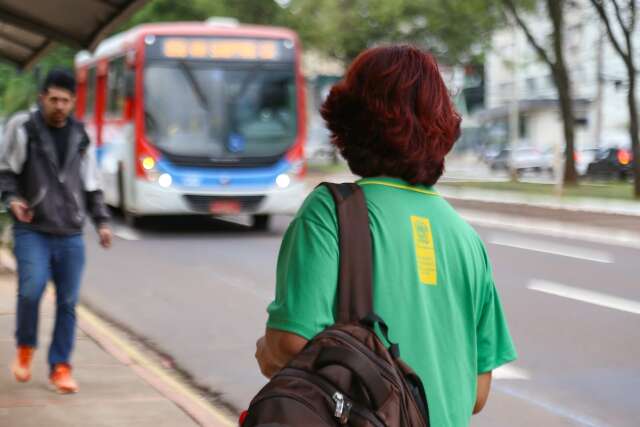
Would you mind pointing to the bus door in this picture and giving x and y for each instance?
(116, 133)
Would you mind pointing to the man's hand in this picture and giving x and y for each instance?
(21, 210)
(106, 236)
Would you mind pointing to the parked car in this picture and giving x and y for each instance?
(531, 159)
(522, 159)
(611, 162)
(498, 159)
(583, 158)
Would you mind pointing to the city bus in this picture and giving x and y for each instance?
(197, 118)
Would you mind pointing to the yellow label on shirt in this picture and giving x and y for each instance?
(425, 252)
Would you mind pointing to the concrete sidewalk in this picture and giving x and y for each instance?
(116, 389)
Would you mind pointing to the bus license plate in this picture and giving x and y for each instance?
(225, 207)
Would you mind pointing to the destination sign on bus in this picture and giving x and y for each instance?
(229, 49)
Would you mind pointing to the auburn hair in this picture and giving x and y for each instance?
(392, 115)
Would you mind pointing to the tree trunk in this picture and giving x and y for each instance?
(568, 121)
(561, 77)
(634, 126)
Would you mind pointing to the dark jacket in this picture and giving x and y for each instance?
(60, 195)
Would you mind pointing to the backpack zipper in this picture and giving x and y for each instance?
(392, 376)
(344, 405)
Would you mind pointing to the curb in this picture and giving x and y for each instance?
(587, 205)
(189, 401)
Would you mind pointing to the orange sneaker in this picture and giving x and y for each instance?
(62, 380)
(21, 367)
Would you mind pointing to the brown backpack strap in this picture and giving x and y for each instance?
(355, 298)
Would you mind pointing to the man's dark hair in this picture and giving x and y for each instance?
(59, 78)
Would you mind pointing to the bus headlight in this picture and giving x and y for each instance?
(165, 180)
(283, 180)
(148, 163)
(149, 168)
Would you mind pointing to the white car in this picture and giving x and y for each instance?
(531, 159)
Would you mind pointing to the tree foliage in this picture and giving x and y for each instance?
(248, 11)
(18, 89)
(456, 30)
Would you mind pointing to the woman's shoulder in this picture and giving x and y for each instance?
(319, 208)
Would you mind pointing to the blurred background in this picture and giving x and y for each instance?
(209, 137)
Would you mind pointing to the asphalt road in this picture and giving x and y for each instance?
(198, 290)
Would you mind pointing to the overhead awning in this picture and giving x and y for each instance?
(29, 28)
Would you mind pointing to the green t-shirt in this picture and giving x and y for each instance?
(433, 286)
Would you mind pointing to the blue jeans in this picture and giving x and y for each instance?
(40, 257)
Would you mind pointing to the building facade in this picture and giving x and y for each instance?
(516, 78)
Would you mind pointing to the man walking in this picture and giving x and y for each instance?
(49, 181)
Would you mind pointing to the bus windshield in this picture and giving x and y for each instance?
(224, 112)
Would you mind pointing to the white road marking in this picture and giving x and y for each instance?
(551, 407)
(126, 233)
(508, 372)
(552, 248)
(584, 295)
(552, 228)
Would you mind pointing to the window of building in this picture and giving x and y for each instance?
(523, 126)
(582, 121)
(90, 100)
(116, 87)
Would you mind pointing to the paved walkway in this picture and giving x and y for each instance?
(112, 389)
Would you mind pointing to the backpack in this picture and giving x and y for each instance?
(345, 375)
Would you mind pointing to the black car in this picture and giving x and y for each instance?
(611, 163)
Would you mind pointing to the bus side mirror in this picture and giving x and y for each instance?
(130, 83)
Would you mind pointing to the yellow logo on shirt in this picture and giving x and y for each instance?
(425, 252)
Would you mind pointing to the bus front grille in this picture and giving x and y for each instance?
(228, 163)
(203, 203)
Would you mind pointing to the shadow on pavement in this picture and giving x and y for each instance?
(198, 225)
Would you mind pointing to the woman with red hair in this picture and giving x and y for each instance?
(392, 119)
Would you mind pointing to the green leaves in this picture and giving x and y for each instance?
(248, 11)
(19, 89)
(456, 30)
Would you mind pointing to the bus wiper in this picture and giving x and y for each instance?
(246, 81)
(197, 89)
